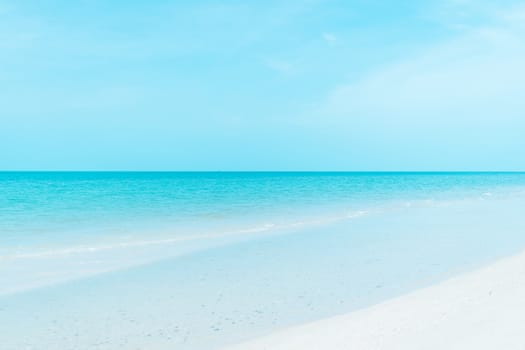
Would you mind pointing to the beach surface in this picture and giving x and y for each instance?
(477, 310)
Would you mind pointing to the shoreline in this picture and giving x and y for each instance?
(482, 309)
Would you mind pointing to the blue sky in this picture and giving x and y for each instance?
(262, 85)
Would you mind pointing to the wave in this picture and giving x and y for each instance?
(194, 237)
(245, 231)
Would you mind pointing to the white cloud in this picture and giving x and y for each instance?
(329, 37)
(478, 75)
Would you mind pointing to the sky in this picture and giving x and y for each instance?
(318, 85)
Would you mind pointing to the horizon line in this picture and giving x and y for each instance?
(259, 171)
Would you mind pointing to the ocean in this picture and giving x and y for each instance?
(197, 260)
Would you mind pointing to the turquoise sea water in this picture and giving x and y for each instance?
(197, 260)
(37, 207)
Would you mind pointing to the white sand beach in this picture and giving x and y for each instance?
(484, 309)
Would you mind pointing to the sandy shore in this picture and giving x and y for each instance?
(484, 309)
